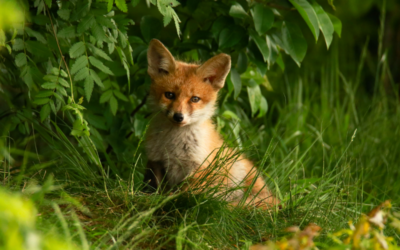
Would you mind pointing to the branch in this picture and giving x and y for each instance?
(62, 56)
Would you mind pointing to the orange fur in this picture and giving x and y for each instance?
(183, 149)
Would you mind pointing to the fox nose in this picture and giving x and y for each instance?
(178, 117)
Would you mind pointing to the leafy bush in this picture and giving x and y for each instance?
(85, 62)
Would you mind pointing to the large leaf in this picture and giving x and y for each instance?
(98, 64)
(150, 27)
(77, 49)
(219, 24)
(20, 59)
(231, 36)
(294, 41)
(308, 13)
(263, 107)
(237, 11)
(18, 44)
(255, 96)
(337, 24)
(261, 44)
(237, 82)
(263, 18)
(325, 23)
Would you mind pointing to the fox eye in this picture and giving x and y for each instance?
(195, 99)
(169, 95)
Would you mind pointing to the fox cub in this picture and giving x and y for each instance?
(182, 141)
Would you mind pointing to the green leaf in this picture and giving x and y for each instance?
(237, 11)
(308, 13)
(18, 44)
(255, 96)
(98, 64)
(120, 95)
(38, 49)
(61, 90)
(82, 74)
(231, 36)
(113, 105)
(88, 87)
(41, 101)
(150, 27)
(49, 85)
(48, 2)
(96, 78)
(35, 34)
(63, 82)
(325, 23)
(337, 24)
(2, 37)
(237, 82)
(44, 112)
(98, 33)
(105, 21)
(106, 96)
(230, 115)
(68, 32)
(53, 107)
(294, 41)
(263, 18)
(221, 23)
(79, 64)
(261, 44)
(20, 60)
(263, 107)
(44, 93)
(77, 49)
(135, 2)
(242, 62)
(57, 72)
(110, 5)
(50, 78)
(121, 4)
(64, 14)
(86, 23)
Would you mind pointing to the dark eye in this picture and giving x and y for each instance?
(195, 99)
(169, 95)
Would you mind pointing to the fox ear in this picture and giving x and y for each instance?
(215, 70)
(159, 59)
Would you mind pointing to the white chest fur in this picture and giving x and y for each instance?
(181, 150)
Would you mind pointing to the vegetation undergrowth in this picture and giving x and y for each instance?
(326, 143)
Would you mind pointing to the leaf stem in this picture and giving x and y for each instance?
(62, 56)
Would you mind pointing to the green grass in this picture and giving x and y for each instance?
(327, 148)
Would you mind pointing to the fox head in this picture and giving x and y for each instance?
(184, 93)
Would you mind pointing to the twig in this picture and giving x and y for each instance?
(140, 105)
(62, 56)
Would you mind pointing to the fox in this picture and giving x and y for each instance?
(182, 141)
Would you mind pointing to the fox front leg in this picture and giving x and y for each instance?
(154, 175)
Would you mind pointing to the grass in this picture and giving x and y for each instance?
(328, 149)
